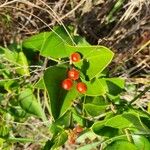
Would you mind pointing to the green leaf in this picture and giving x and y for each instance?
(54, 45)
(1, 50)
(99, 128)
(17, 111)
(145, 121)
(97, 100)
(113, 85)
(63, 122)
(60, 139)
(77, 117)
(9, 55)
(94, 88)
(80, 41)
(119, 122)
(121, 145)
(148, 109)
(48, 145)
(11, 85)
(23, 64)
(40, 84)
(29, 103)
(4, 131)
(94, 110)
(18, 59)
(36, 42)
(95, 58)
(1, 142)
(141, 142)
(60, 99)
(135, 119)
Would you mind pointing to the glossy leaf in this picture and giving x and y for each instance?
(60, 99)
(100, 129)
(141, 142)
(98, 126)
(94, 88)
(121, 145)
(36, 42)
(119, 122)
(80, 41)
(94, 58)
(54, 45)
(135, 119)
(113, 85)
(94, 110)
(29, 103)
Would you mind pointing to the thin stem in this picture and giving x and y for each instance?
(44, 118)
(139, 95)
(129, 136)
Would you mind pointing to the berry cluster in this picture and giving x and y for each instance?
(74, 133)
(74, 75)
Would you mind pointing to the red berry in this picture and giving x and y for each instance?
(73, 74)
(75, 57)
(78, 129)
(81, 87)
(67, 84)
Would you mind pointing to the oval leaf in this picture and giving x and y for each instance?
(60, 139)
(121, 145)
(141, 142)
(54, 45)
(94, 88)
(29, 103)
(60, 99)
(95, 58)
(113, 85)
(36, 42)
(94, 110)
(118, 122)
(23, 64)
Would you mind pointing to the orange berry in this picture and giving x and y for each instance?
(81, 87)
(73, 74)
(67, 84)
(75, 57)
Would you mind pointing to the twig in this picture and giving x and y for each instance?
(139, 95)
(70, 12)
